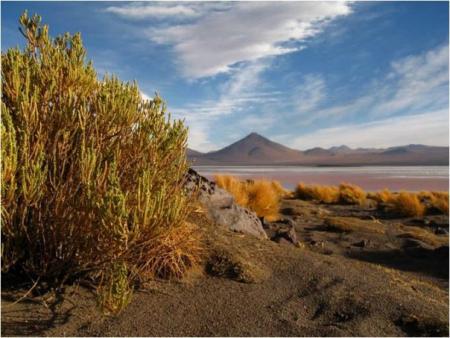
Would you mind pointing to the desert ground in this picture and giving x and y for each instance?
(377, 279)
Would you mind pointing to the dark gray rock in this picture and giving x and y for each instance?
(221, 207)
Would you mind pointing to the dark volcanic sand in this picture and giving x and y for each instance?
(393, 286)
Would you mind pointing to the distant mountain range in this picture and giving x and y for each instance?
(255, 149)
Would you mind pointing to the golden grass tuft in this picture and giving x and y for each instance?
(349, 224)
(345, 193)
(424, 235)
(263, 199)
(234, 186)
(381, 197)
(439, 201)
(351, 194)
(261, 196)
(321, 193)
(407, 204)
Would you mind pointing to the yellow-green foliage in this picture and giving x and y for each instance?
(351, 194)
(91, 174)
(407, 204)
(261, 196)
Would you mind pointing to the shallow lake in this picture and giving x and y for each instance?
(411, 178)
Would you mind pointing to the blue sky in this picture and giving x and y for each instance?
(305, 74)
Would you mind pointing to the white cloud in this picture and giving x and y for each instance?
(428, 128)
(245, 32)
(143, 11)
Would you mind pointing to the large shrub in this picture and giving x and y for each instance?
(91, 174)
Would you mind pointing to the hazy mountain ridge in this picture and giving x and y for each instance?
(255, 149)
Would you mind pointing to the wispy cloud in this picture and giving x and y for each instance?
(236, 95)
(413, 84)
(309, 94)
(245, 32)
(430, 128)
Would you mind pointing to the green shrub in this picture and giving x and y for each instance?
(92, 175)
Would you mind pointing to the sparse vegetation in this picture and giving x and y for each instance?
(424, 235)
(92, 175)
(261, 196)
(404, 203)
(349, 224)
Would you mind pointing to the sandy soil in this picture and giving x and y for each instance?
(392, 286)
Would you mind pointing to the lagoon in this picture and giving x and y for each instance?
(410, 178)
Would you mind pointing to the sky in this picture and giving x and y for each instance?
(305, 74)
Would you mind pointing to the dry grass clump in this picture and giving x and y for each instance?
(321, 193)
(425, 236)
(345, 193)
(261, 196)
(92, 175)
(263, 199)
(407, 204)
(349, 224)
(381, 197)
(351, 194)
(439, 201)
(234, 186)
(280, 190)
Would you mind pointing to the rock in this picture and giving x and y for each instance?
(282, 231)
(361, 244)
(221, 207)
(441, 231)
(288, 234)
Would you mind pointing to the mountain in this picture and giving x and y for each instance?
(252, 149)
(255, 149)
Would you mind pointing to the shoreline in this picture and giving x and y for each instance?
(370, 178)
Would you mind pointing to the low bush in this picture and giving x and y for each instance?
(261, 196)
(92, 175)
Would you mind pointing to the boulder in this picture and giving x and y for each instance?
(221, 207)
